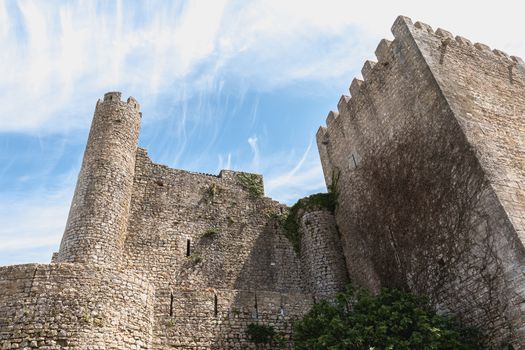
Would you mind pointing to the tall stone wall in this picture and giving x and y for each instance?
(218, 319)
(199, 231)
(322, 259)
(97, 222)
(486, 91)
(418, 91)
(71, 306)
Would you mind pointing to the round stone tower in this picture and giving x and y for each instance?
(321, 254)
(97, 222)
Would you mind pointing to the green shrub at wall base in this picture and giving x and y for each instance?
(392, 320)
(260, 334)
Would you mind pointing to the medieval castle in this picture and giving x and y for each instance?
(426, 160)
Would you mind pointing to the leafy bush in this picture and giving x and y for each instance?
(392, 320)
(260, 334)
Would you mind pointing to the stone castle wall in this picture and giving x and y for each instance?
(418, 85)
(76, 306)
(199, 231)
(72, 306)
(210, 257)
(158, 258)
(218, 319)
(485, 90)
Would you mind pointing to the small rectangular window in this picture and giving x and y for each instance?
(188, 247)
(171, 304)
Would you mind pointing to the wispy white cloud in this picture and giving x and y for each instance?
(4, 21)
(36, 221)
(256, 161)
(285, 179)
(288, 183)
(225, 164)
(66, 54)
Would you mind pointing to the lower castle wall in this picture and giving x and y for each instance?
(322, 258)
(218, 319)
(69, 306)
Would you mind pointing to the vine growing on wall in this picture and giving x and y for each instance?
(418, 210)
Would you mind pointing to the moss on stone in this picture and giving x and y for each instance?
(211, 232)
(252, 183)
(290, 221)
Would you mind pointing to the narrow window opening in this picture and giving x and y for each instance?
(256, 308)
(215, 305)
(281, 310)
(355, 162)
(188, 247)
(171, 304)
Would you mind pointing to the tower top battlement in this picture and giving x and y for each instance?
(115, 96)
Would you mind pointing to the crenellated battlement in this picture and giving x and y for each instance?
(404, 26)
(115, 97)
(112, 96)
(404, 31)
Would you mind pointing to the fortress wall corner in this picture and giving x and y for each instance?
(432, 87)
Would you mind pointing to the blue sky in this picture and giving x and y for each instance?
(240, 85)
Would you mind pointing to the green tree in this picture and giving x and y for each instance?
(392, 320)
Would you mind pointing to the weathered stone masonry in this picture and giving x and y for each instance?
(160, 258)
(429, 82)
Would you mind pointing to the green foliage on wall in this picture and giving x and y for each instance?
(260, 334)
(290, 221)
(252, 183)
(211, 232)
(357, 320)
(195, 258)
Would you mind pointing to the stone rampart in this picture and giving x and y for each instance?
(71, 306)
(218, 319)
(201, 231)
